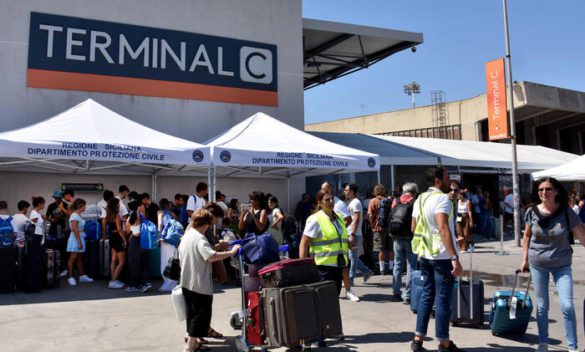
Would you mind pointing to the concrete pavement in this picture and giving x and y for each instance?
(93, 318)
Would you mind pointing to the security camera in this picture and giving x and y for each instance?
(413, 49)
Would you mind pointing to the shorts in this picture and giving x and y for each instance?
(382, 242)
(72, 245)
(116, 242)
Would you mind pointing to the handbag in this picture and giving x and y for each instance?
(173, 268)
(179, 306)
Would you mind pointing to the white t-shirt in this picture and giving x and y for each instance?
(101, 208)
(340, 207)
(223, 207)
(195, 202)
(509, 203)
(123, 209)
(313, 230)
(194, 251)
(576, 209)
(355, 206)
(432, 206)
(35, 215)
(276, 233)
(19, 223)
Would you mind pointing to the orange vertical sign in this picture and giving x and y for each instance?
(496, 100)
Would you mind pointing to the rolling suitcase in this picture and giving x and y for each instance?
(154, 263)
(104, 258)
(329, 310)
(289, 272)
(254, 330)
(32, 269)
(91, 258)
(511, 311)
(53, 261)
(8, 258)
(468, 304)
(291, 315)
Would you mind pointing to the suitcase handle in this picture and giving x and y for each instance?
(470, 290)
(518, 271)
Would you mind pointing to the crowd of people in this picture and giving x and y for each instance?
(410, 231)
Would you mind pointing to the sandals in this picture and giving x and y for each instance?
(200, 347)
(214, 334)
(201, 339)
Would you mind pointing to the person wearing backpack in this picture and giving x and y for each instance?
(7, 237)
(378, 212)
(400, 221)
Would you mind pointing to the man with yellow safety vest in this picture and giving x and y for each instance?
(325, 238)
(435, 244)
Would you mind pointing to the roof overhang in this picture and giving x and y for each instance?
(333, 50)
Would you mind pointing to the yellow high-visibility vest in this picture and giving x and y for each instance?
(326, 249)
(427, 241)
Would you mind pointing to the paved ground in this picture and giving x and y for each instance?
(93, 318)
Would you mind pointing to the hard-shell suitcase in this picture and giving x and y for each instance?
(416, 285)
(255, 328)
(33, 267)
(53, 261)
(8, 258)
(289, 272)
(291, 315)
(329, 310)
(91, 258)
(511, 311)
(104, 258)
(467, 306)
(154, 263)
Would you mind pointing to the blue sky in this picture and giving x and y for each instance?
(547, 44)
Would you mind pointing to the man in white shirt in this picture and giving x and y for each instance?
(220, 200)
(197, 200)
(354, 231)
(432, 222)
(123, 191)
(103, 204)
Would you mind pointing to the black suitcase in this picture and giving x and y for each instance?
(33, 273)
(329, 310)
(91, 258)
(289, 272)
(53, 262)
(8, 257)
(467, 306)
(291, 315)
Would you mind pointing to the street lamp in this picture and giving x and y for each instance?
(412, 89)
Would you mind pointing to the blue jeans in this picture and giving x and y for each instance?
(563, 278)
(402, 256)
(356, 263)
(438, 285)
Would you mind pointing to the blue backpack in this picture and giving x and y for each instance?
(92, 230)
(262, 249)
(173, 231)
(6, 233)
(148, 234)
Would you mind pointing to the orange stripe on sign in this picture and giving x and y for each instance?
(148, 87)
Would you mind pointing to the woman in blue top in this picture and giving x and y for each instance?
(546, 250)
(76, 243)
(167, 250)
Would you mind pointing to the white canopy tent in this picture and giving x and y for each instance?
(92, 139)
(574, 170)
(267, 147)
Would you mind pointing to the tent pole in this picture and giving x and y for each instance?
(154, 189)
(379, 177)
(288, 193)
(392, 178)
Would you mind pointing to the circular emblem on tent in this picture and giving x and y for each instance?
(198, 156)
(225, 156)
(371, 162)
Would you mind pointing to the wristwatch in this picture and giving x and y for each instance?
(455, 257)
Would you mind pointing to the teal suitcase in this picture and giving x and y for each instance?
(502, 322)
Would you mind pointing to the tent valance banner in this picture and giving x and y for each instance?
(265, 142)
(85, 132)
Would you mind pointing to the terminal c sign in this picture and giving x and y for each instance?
(79, 54)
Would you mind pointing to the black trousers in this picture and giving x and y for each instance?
(138, 262)
(333, 273)
(198, 313)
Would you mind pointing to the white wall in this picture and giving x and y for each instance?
(266, 21)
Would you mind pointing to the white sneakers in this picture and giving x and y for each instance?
(542, 347)
(351, 296)
(83, 278)
(116, 284)
(63, 273)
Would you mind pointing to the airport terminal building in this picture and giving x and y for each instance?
(187, 68)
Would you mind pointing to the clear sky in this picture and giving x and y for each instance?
(547, 39)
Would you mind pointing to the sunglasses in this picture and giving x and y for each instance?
(545, 190)
(454, 190)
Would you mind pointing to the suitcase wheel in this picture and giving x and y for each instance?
(454, 324)
(236, 322)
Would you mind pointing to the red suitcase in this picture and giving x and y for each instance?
(255, 324)
(289, 272)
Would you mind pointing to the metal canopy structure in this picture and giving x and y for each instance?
(333, 50)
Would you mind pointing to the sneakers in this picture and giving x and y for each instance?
(85, 279)
(133, 289)
(116, 284)
(406, 301)
(71, 281)
(542, 347)
(352, 296)
(367, 276)
(396, 298)
(416, 346)
(573, 350)
(147, 286)
(64, 273)
(471, 249)
(450, 348)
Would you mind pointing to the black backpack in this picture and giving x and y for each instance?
(384, 214)
(400, 220)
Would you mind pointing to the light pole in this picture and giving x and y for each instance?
(412, 89)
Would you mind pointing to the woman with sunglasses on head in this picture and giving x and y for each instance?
(546, 251)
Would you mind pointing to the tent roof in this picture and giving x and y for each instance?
(262, 142)
(105, 139)
(452, 152)
(574, 170)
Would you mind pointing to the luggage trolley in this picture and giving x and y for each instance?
(241, 319)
